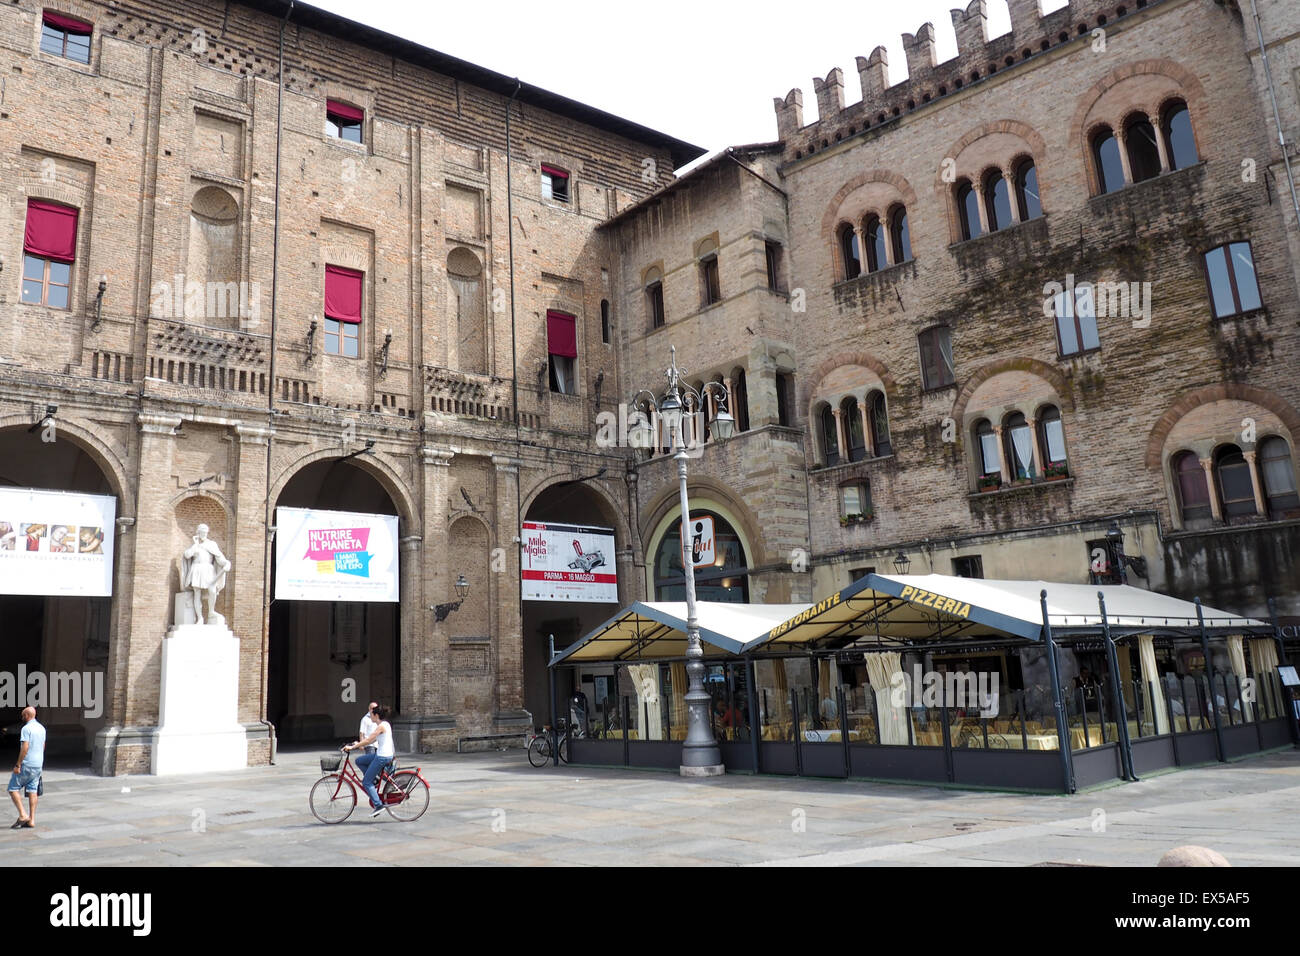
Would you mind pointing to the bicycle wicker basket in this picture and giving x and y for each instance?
(331, 763)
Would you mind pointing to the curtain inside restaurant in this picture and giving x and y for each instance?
(645, 678)
(677, 719)
(1152, 692)
(1237, 658)
(891, 720)
(1124, 661)
(1263, 657)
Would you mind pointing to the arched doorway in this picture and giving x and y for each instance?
(63, 636)
(726, 580)
(327, 659)
(573, 503)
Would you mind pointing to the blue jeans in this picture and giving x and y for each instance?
(372, 764)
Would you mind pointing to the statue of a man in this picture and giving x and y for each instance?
(203, 568)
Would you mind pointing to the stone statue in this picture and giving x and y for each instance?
(203, 568)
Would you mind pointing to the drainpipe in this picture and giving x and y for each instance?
(270, 387)
(1277, 118)
(514, 364)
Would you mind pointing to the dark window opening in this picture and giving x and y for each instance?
(971, 566)
(936, 357)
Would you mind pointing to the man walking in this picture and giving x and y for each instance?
(27, 771)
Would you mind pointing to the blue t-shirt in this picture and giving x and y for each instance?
(34, 734)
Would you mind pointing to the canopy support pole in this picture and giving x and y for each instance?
(1209, 672)
(1062, 729)
(755, 723)
(555, 755)
(1121, 712)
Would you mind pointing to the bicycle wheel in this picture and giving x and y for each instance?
(417, 796)
(539, 751)
(332, 799)
(564, 750)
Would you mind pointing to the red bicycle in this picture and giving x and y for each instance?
(403, 793)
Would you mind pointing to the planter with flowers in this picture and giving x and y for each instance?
(990, 482)
(1056, 471)
(856, 518)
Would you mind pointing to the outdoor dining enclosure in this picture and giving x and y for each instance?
(930, 678)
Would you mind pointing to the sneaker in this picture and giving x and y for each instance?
(377, 810)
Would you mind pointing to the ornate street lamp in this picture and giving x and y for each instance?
(701, 756)
(902, 562)
(1122, 561)
(441, 611)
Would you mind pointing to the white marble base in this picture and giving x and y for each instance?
(198, 726)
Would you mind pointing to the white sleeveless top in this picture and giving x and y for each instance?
(384, 742)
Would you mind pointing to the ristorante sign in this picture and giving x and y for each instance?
(567, 562)
(335, 556)
(56, 543)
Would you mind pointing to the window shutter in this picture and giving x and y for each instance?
(344, 111)
(561, 335)
(67, 24)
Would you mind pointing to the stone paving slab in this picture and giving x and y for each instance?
(494, 809)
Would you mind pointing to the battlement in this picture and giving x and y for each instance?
(1032, 33)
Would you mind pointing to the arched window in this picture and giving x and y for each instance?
(1143, 153)
(654, 298)
(987, 439)
(851, 416)
(1020, 446)
(997, 201)
(1051, 441)
(604, 321)
(830, 436)
(1232, 473)
(1193, 492)
(877, 252)
(1278, 474)
(900, 236)
(213, 256)
(1027, 190)
(465, 290)
(710, 279)
(724, 580)
(1176, 127)
(968, 208)
(1105, 156)
(880, 425)
(849, 252)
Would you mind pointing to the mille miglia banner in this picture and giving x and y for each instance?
(335, 556)
(567, 562)
(56, 543)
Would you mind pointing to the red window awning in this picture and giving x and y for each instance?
(67, 24)
(51, 231)
(344, 111)
(561, 334)
(555, 171)
(343, 294)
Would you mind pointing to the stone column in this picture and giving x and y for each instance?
(1002, 455)
(415, 632)
(1260, 509)
(862, 248)
(1009, 177)
(1121, 140)
(508, 637)
(867, 437)
(1165, 164)
(1033, 445)
(430, 686)
(1208, 465)
(842, 445)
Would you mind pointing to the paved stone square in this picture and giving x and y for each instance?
(495, 809)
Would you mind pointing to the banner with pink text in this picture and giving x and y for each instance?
(335, 556)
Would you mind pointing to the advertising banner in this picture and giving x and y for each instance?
(335, 556)
(56, 543)
(568, 562)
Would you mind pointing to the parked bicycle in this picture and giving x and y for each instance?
(545, 745)
(404, 793)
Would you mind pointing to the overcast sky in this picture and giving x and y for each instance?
(705, 72)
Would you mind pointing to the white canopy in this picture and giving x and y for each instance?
(658, 630)
(898, 609)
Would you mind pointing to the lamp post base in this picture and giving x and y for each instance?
(717, 770)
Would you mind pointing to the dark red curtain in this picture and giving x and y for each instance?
(554, 171)
(343, 294)
(343, 111)
(51, 231)
(68, 24)
(561, 335)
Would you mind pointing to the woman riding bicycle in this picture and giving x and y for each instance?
(373, 764)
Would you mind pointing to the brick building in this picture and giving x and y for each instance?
(974, 318)
(986, 311)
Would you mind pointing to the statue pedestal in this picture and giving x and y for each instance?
(198, 725)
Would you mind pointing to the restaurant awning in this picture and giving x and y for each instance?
(896, 610)
(646, 630)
